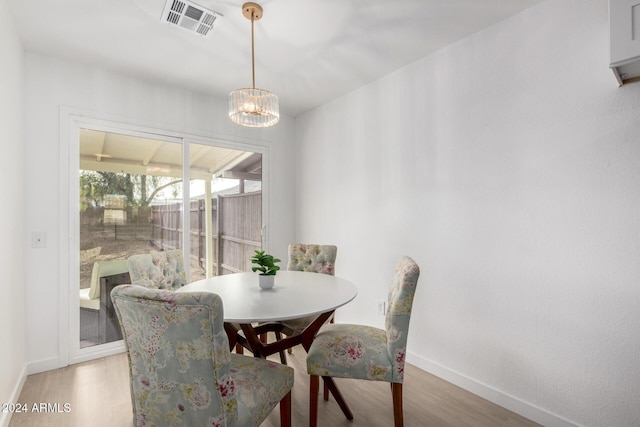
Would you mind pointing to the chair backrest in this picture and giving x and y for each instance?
(399, 313)
(158, 270)
(179, 361)
(312, 258)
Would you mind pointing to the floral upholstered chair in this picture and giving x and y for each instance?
(364, 352)
(180, 367)
(158, 270)
(313, 259)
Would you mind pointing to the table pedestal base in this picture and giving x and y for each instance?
(251, 341)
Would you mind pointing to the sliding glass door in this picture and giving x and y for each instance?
(138, 194)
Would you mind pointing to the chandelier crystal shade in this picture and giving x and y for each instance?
(253, 107)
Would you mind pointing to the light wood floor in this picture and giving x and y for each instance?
(98, 394)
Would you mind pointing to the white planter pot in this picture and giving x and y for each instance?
(266, 281)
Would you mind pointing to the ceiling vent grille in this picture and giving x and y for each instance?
(189, 16)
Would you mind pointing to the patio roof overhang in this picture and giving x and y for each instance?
(112, 152)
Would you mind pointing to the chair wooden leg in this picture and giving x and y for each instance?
(314, 381)
(396, 391)
(283, 357)
(239, 349)
(285, 411)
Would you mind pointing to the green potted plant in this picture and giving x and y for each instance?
(266, 264)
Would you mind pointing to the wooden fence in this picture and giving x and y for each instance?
(236, 231)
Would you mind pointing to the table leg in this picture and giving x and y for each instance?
(338, 396)
(232, 333)
(309, 333)
(255, 344)
(307, 339)
(260, 349)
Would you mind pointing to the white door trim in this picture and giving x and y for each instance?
(71, 120)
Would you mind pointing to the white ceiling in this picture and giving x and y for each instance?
(307, 51)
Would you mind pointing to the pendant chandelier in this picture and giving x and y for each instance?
(253, 107)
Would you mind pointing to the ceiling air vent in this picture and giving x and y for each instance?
(189, 16)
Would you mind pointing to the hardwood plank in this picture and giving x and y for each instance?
(97, 391)
(99, 395)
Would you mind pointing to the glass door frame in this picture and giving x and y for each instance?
(72, 120)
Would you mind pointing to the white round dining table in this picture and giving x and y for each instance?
(295, 294)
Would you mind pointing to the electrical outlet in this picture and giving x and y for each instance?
(382, 305)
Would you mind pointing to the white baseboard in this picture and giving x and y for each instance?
(98, 351)
(43, 365)
(84, 355)
(498, 397)
(5, 417)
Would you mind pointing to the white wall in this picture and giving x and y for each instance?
(12, 171)
(51, 84)
(508, 166)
